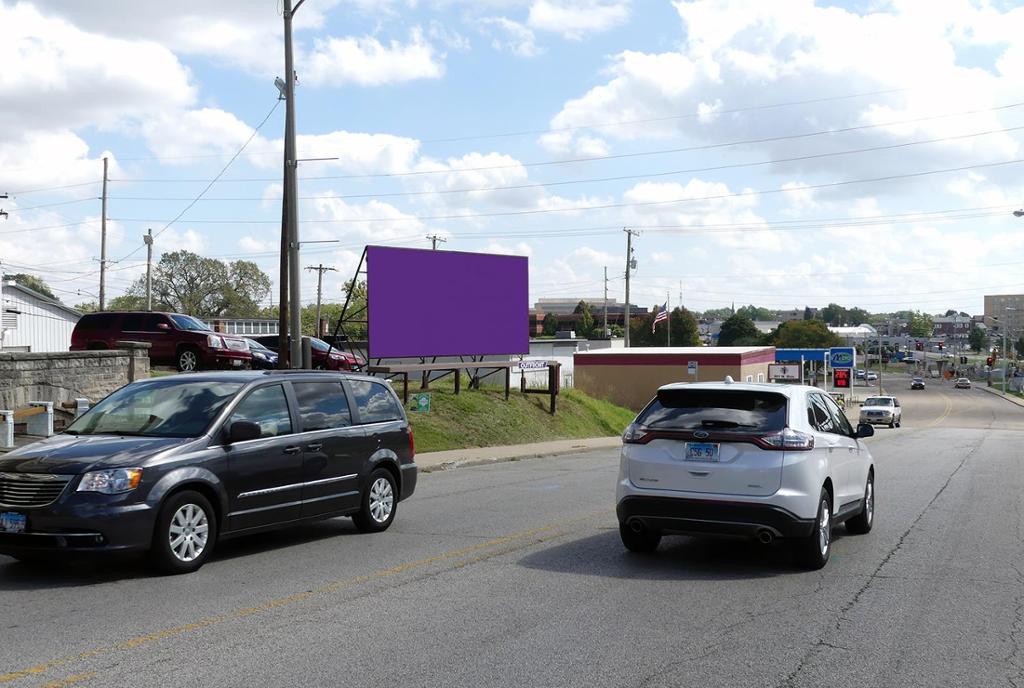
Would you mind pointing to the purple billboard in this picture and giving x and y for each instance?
(446, 303)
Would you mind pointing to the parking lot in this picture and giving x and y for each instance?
(513, 574)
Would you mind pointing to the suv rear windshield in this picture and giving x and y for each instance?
(712, 409)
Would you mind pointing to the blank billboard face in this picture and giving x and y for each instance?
(446, 303)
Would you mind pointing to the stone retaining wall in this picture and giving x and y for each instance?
(67, 375)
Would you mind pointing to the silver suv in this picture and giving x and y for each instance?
(760, 460)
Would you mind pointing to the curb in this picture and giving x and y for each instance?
(1012, 400)
(431, 462)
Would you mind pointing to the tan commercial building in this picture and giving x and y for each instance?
(630, 377)
(1005, 310)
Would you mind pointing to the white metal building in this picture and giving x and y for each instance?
(34, 322)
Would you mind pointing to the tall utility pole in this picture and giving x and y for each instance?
(148, 238)
(3, 213)
(320, 270)
(434, 238)
(291, 165)
(103, 240)
(668, 323)
(630, 265)
(283, 350)
(1006, 353)
(605, 300)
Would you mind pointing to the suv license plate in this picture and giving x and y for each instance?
(11, 522)
(236, 362)
(701, 451)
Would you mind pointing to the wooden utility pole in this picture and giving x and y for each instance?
(630, 266)
(320, 270)
(605, 300)
(434, 238)
(103, 240)
(148, 239)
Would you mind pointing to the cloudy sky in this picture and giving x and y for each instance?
(783, 153)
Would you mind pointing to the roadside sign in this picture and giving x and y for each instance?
(420, 403)
(841, 356)
(691, 367)
(841, 377)
(533, 365)
(780, 371)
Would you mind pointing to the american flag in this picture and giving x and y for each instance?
(662, 315)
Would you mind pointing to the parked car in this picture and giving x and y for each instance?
(882, 410)
(171, 465)
(174, 339)
(262, 357)
(766, 461)
(859, 373)
(962, 383)
(917, 383)
(325, 356)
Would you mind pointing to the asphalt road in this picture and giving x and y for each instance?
(513, 575)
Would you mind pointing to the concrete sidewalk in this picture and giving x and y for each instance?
(442, 460)
(998, 392)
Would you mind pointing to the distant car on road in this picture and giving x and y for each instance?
(170, 465)
(882, 410)
(917, 383)
(760, 460)
(859, 373)
(174, 339)
(962, 383)
(871, 375)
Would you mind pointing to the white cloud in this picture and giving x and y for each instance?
(592, 255)
(661, 257)
(368, 62)
(574, 19)
(510, 36)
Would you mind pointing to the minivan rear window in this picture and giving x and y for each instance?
(717, 410)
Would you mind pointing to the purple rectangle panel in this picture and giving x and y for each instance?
(446, 303)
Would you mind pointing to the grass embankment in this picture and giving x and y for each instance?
(482, 418)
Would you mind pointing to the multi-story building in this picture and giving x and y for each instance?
(567, 306)
(1005, 312)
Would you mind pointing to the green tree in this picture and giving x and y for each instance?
(87, 307)
(128, 302)
(586, 321)
(803, 334)
(857, 316)
(684, 328)
(834, 314)
(756, 312)
(246, 287)
(716, 314)
(616, 330)
(921, 325)
(976, 339)
(550, 324)
(32, 282)
(739, 330)
(1019, 346)
(808, 313)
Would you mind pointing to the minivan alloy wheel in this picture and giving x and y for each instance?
(382, 500)
(189, 532)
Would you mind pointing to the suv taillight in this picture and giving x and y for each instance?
(635, 434)
(787, 440)
(412, 445)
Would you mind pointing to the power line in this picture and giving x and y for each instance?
(598, 158)
(25, 192)
(608, 206)
(210, 184)
(53, 205)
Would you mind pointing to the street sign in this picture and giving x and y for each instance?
(533, 365)
(778, 371)
(841, 356)
(691, 367)
(420, 403)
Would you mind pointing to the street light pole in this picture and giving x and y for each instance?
(1006, 354)
(148, 239)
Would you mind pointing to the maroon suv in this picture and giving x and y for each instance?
(175, 339)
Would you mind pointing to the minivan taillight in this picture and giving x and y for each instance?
(412, 445)
(787, 440)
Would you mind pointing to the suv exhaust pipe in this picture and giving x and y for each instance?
(765, 536)
(636, 525)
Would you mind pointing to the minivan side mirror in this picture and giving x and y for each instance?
(865, 430)
(243, 431)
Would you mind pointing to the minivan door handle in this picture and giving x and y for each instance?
(292, 450)
(317, 446)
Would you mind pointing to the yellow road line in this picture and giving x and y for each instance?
(538, 535)
(70, 680)
(945, 413)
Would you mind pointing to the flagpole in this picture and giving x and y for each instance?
(668, 318)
